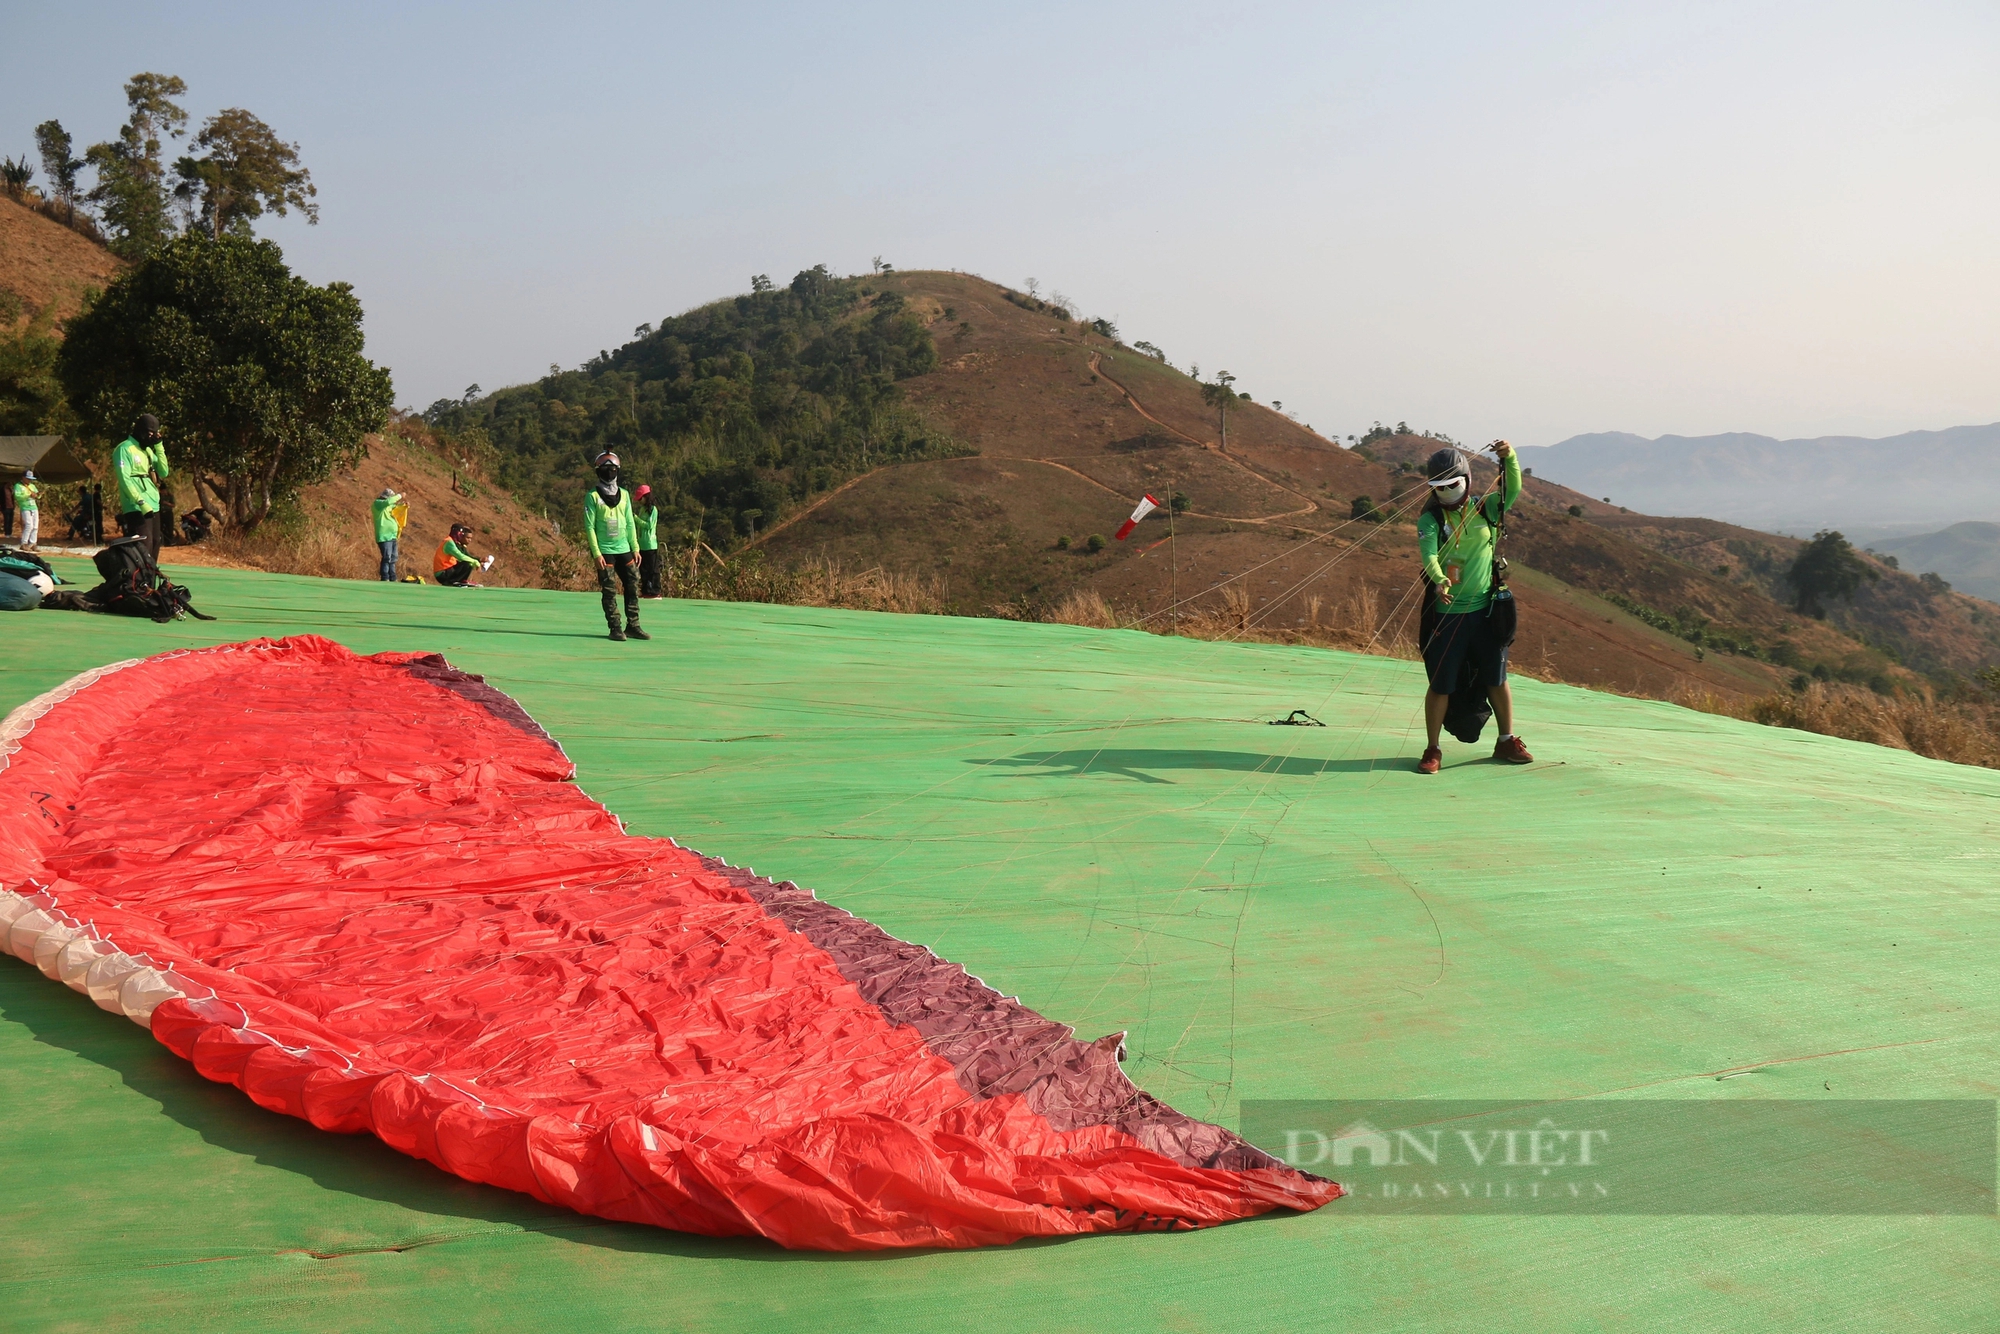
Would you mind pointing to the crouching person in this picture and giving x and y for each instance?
(454, 566)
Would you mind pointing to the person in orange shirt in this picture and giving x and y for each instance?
(454, 566)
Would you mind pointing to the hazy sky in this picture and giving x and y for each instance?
(1531, 220)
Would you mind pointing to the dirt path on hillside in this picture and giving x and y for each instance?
(773, 531)
(1132, 401)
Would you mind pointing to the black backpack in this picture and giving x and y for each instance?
(134, 586)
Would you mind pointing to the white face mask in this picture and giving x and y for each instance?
(1450, 496)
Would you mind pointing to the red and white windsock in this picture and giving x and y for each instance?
(1146, 506)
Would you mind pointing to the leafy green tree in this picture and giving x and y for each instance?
(1826, 568)
(243, 169)
(256, 375)
(131, 190)
(31, 397)
(760, 282)
(1220, 396)
(53, 142)
(15, 173)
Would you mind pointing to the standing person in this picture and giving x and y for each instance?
(390, 513)
(454, 566)
(608, 526)
(141, 464)
(649, 543)
(1456, 537)
(27, 499)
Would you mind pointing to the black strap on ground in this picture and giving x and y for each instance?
(1297, 718)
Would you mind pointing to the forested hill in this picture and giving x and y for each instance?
(733, 413)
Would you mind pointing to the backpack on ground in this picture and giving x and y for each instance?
(25, 565)
(134, 586)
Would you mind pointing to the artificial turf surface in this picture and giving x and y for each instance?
(1102, 823)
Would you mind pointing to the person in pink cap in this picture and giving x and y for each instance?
(648, 528)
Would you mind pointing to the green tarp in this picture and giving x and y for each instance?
(1102, 823)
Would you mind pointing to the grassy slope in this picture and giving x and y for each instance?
(47, 264)
(1100, 822)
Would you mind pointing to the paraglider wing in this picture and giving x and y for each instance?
(375, 898)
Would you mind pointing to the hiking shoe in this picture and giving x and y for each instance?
(634, 632)
(1429, 764)
(1511, 751)
(617, 634)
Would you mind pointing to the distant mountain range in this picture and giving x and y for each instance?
(1918, 482)
(1967, 555)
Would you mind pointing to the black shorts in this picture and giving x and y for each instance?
(1467, 635)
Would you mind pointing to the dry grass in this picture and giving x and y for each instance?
(1085, 606)
(1358, 623)
(819, 582)
(1962, 731)
(324, 552)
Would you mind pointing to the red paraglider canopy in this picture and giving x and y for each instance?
(365, 891)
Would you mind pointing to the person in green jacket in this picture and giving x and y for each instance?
(649, 542)
(611, 531)
(390, 512)
(1456, 536)
(454, 565)
(27, 494)
(140, 461)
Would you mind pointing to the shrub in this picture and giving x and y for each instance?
(1086, 606)
(1062, 543)
(1364, 508)
(1095, 543)
(561, 569)
(1576, 511)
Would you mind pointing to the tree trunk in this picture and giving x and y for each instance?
(269, 480)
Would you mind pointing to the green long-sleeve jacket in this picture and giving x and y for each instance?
(608, 528)
(387, 529)
(1459, 552)
(138, 469)
(649, 528)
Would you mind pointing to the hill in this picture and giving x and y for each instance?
(1966, 555)
(47, 270)
(46, 267)
(1670, 906)
(1071, 426)
(329, 530)
(1914, 480)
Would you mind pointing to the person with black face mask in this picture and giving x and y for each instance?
(609, 527)
(140, 463)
